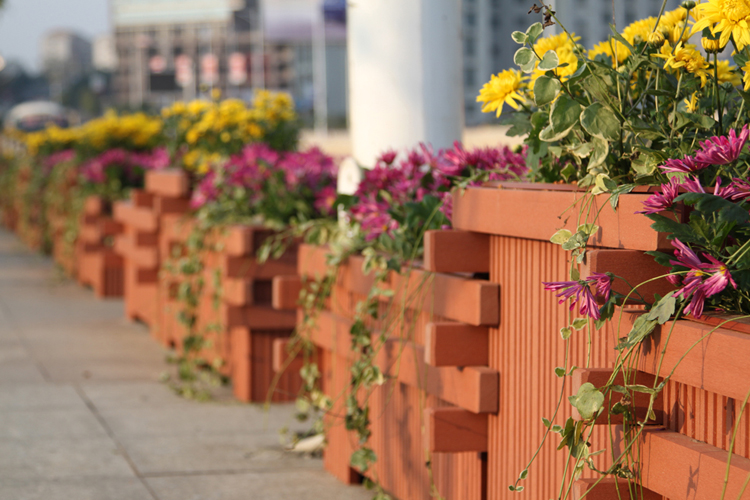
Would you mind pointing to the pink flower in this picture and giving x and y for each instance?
(579, 292)
(662, 201)
(741, 189)
(693, 185)
(723, 150)
(703, 280)
(686, 165)
(325, 199)
(374, 218)
(388, 157)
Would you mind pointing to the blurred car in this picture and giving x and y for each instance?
(36, 115)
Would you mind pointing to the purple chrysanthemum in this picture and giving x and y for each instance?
(662, 201)
(722, 150)
(579, 292)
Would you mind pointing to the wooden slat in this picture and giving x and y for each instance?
(455, 430)
(93, 205)
(677, 466)
(237, 292)
(258, 317)
(473, 388)
(249, 267)
(551, 210)
(281, 362)
(456, 344)
(456, 252)
(718, 363)
(165, 206)
(139, 218)
(470, 301)
(600, 376)
(634, 266)
(170, 183)
(286, 290)
(610, 488)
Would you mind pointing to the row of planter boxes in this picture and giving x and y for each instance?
(471, 368)
(471, 345)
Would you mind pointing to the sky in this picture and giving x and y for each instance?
(24, 22)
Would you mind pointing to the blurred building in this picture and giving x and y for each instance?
(66, 58)
(104, 53)
(169, 50)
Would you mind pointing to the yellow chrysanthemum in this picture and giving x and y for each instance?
(729, 18)
(727, 73)
(564, 47)
(610, 48)
(686, 57)
(692, 103)
(502, 88)
(746, 76)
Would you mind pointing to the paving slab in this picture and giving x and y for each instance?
(281, 485)
(83, 415)
(109, 488)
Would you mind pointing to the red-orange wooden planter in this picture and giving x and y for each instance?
(449, 397)
(512, 225)
(96, 262)
(234, 312)
(165, 195)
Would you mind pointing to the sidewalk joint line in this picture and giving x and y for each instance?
(120, 448)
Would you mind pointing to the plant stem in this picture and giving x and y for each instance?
(718, 98)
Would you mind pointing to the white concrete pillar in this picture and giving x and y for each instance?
(405, 75)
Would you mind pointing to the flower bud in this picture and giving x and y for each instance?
(711, 46)
(688, 5)
(656, 39)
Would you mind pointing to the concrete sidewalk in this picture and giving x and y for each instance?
(83, 416)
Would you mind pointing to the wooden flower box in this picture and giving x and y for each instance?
(504, 230)
(98, 265)
(137, 245)
(166, 194)
(448, 394)
(234, 313)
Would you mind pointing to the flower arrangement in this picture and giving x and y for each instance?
(276, 187)
(204, 132)
(652, 105)
(405, 195)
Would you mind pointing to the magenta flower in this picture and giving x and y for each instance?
(741, 189)
(686, 165)
(388, 157)
(693, 185)
(579, 292)
(723, 150)
(703, 280)
(325, 199)
(60, 157)
(662, 201)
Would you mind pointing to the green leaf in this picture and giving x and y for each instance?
(617, 36)
(664, 309)
(561, 236)
(548, 134)
(583, 150)
(519, 37)
(560, 372)
(549, 61)
(564, 114)
(545, 90)
(565, 333)
(574, 274)
(604, 184)
(642, 328)
(546, 423)
(710, 203)
(579, 323)
(600, 122)
(588, 401)
(599, 153)
(534, 32)
(588, 229)
(525, 59)
(524, 474)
